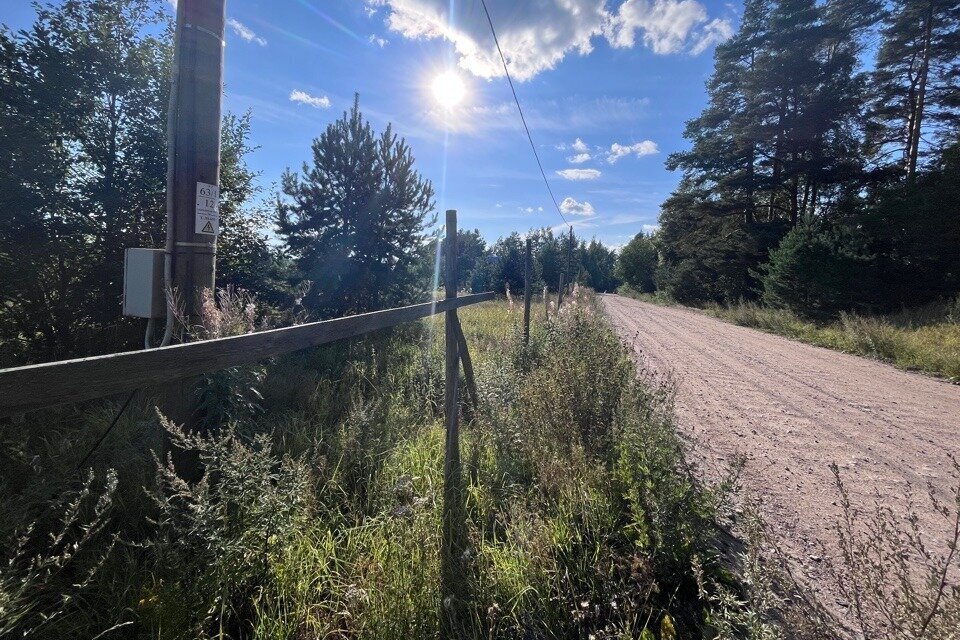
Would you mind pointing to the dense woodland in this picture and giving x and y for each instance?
(824, 173)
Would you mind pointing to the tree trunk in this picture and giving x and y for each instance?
(913, 148)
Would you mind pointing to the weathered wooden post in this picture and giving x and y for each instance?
(560, 293)
(454, 574)
(527, 290)
(473, 398)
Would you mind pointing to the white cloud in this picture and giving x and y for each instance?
(579, 174)
(245, 32)
(318, 102)
(536, 36)
(579, 146)
(576, 208)
(645, 148)
(715, 32)
(377, 40)
(665, 26)
(580, 158)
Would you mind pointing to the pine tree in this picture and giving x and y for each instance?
(917, 104)
(723, 158)
(546, 256)
(354, 218)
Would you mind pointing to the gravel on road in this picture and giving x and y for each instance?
(791, 409)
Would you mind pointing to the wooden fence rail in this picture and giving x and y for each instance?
(24, 389)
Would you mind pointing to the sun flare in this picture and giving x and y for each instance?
(448, 89)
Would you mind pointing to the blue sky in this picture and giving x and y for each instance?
(606, 86)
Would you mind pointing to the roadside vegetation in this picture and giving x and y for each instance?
(923, 339)
(318, 514)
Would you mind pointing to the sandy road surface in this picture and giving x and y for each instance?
(792, 409)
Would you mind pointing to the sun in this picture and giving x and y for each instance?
(448, 89)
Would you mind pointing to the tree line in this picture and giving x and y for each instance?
(824, 172)
(84, 96)
(500, 266)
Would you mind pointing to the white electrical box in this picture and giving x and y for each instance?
(143, 283)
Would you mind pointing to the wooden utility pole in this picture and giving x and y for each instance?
(454, 569)
(527, 290)
(570, 261)
(193, 138)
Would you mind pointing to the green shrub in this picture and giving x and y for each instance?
(215, 539)
(818, 270)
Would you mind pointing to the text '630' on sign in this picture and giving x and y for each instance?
(208, 209)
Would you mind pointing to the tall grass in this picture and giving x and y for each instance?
(926, 339)
(318, 515)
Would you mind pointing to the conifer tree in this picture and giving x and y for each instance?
(917, 97)
(353, 219)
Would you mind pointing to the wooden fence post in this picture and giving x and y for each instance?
(560, 293)
(527, 291)
(473, 398)
(454, 570)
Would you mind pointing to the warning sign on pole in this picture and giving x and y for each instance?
(208, 209)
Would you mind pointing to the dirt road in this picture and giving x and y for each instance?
(792, 409)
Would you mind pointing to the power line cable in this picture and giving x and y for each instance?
(520, 109)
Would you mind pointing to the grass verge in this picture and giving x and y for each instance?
(925, 339)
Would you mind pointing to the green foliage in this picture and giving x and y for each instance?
(218, 537)
(797, 131)
(914, 108)
(819, 270)
(84, 114)
(637, 263)
(472, 252)
(589, 263)
(320, 516)
(915, 232)
(507, 258)
(83, 164)
(353, 220)
(245, 258)
(597, 267)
